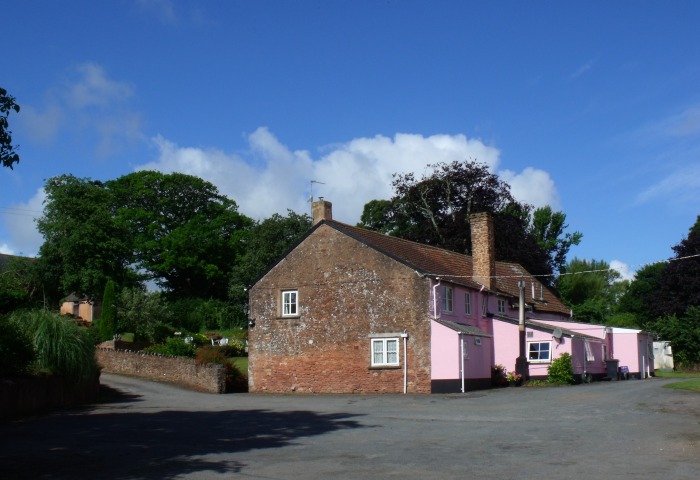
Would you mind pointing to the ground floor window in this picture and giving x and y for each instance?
(539, 352)
(385, 352)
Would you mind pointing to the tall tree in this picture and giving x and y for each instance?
(641, 294)
(83, 245)
(548, 228)
(267, 241)
(679, 282)
(435, 209)
(589, 288)
(186, 235)
(8, 152)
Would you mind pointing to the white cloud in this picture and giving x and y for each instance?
(533, 186)
(94, 89)
(582, 70)
(625, 271)
(19, 222)
(5, 248)
(351, 173)
(164, 10)
(87, 101)
(679, 187)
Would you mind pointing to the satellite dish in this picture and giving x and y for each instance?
(557, 333)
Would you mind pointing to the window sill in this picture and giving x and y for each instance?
(384, 367)
(289, 317)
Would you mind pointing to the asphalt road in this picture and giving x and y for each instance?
(614, 430)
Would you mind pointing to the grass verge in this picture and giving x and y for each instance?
(692, 385)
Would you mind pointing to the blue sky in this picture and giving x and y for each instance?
(591, 107)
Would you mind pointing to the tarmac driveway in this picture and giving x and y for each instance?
(632, 429)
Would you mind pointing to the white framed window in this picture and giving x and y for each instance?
(446, 299)
(605, 353)
(501, 305)
(484, 305)
(539, 352)
(290, 303)
(468, 303)
(385, 352)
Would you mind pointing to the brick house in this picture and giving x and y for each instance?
(349, 310)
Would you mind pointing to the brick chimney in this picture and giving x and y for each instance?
(483, 249)
(322, 210)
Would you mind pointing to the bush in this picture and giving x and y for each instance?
(61, 347)
(16, 349)
(561, 371)
(196, 314)
(498, 376)
(175, 346)
(235, 380)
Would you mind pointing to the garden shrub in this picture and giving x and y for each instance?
(174, 346)
(62, 347)
(498, 376)
(235, 379)
(561, 371)
(16, 349)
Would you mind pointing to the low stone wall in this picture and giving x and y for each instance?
(21, 397)
(177, 370)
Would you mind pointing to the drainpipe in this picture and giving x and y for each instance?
(461, 360)
(435, 314)
(404, 335)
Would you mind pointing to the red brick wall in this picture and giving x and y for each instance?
(346, 291)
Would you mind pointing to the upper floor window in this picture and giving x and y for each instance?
(446, 299)
(484, 305)
(501, 305)
(468, 303)
(290, 303)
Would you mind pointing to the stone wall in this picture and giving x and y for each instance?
(347, 293)
(176, 370)
(21, 397)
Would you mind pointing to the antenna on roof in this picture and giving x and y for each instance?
(311, 194)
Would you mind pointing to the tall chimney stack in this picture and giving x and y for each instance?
(321, 210)
(483, 249)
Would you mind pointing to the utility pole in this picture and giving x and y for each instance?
(521, 365)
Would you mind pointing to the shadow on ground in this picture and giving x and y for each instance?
(162, 444)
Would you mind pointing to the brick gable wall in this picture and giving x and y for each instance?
(346, 291)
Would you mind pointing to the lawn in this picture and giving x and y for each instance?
(692, 385)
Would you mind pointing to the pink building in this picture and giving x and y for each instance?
(350, 310)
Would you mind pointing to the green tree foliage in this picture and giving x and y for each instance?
(637, 302)
(108, 319)
(548, 228)
(83, 245)
(267, 241)
(589, 288)
(561, 371)
(19, 286)
(684, 333)
(198, 314)
(186, 235)
(142, 313)
(8, 152)
(435, 210)
(679, 282)
(16, 348)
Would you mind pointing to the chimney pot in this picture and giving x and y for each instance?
(321, 210)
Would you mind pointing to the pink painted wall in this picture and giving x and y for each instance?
(630, 347)
(507, 347)
(445, 350)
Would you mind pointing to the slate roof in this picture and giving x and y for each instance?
(465, 329)
(453, 267)
(545, 327)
